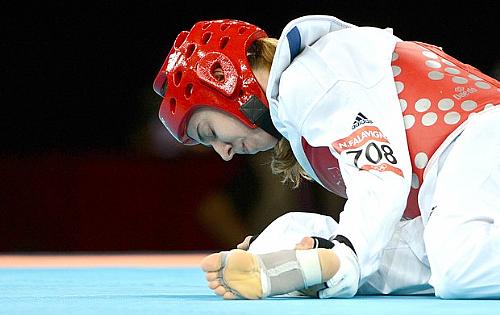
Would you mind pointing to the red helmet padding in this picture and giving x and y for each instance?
(186, 79)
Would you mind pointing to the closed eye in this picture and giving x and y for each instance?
(211, 134)
(206, 136)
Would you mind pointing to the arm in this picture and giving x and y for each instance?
(374, 162)
(355, 112)
(339, 93)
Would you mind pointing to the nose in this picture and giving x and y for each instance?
(225, 150)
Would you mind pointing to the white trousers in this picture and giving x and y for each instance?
(462, 234)
(405, 252)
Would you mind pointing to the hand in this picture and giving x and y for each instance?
(245, 244)
(306, 243)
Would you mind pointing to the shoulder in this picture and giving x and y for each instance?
(320, 59)
(360, 54)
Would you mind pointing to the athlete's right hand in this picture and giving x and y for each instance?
(306, 243)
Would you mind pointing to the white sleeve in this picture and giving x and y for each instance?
(358, 117)
(375, 166)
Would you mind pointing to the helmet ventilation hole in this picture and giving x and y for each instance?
(189, 90)
(190, 50)
(206, 25)
(223, 42)
(224, 26)
(206, 37)
(217, 72)
(173, 104)
(242, 30)
(177, 77)
(180, 39)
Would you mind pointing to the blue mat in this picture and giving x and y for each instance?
(170, 291)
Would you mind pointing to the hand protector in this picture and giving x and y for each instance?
(345, 283)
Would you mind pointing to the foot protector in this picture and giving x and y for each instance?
(258, 276)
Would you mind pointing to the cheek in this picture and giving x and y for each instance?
(230, 132)
(272, 141)
(265, 140)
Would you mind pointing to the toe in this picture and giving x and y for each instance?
(211, 276)
(211, 262)
(214, 284)
(230, 296)
(220, 290)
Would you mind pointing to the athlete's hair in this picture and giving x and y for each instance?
(283, 162)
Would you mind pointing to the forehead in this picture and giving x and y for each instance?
(209, 113)
(200, 114)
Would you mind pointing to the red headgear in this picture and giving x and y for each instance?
(186, 79)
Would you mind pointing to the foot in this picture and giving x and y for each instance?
(240, 274)
(233, 274)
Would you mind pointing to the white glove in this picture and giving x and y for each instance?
(345, 283)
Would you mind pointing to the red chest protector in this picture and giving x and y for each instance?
(437, 94)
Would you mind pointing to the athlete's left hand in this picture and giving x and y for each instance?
(245, 244)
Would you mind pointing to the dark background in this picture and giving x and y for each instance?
(85, 164)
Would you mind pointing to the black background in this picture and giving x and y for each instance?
(85, 164)
(77, 76)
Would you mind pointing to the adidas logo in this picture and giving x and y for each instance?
(360, 120)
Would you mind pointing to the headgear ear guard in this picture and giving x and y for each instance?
(186, 79)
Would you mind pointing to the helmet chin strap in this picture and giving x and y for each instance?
(259, 114)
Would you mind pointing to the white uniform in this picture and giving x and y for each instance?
(334, 86)
(404, 252)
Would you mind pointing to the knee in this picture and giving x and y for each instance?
(449, 286)
(449, 271)
(447, 274)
